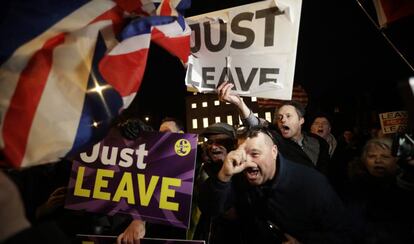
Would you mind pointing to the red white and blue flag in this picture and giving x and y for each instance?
(67, 68)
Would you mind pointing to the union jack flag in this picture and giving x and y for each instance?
(67, 68)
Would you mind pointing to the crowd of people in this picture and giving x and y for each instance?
(260, 182)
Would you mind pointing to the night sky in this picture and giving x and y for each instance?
(344, 63)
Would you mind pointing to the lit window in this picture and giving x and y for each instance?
(216, 102)
(194, 105)
(217, 119)
(205, 122)
(195, 125)
(268, 116)
(229, 120)
(254, 99)
(204, 104)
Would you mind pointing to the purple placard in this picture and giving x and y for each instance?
(150, 178)
(98, 239)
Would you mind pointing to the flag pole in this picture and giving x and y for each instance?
(385, 36)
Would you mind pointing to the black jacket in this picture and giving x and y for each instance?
(298, 201)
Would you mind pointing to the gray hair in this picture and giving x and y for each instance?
(384, 142)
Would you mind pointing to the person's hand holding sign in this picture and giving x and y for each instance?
(132, 234)
(225, 94)
(55, 201)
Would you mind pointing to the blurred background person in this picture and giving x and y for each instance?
(381, 210)
(171, 124)
(322, 127)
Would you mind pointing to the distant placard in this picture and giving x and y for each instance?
(252, 46)
(150, 178)
(392, 122)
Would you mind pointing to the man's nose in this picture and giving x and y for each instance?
(378, 159)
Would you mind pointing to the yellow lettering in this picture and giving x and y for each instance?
(79, 191)
(167, 192)
(145, 197)
(101, 183)
(125, 189)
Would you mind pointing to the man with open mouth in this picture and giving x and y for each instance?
(275, 200)
(321, 126)
(294, 144)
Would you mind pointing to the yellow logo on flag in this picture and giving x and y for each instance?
(182, 147)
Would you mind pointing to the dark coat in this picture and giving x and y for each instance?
(298, 201)
(381, 211)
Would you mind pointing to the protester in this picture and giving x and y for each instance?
(322, 127)
(171, 124)
(347, 149)
(296, 145)
(276, 200)
(381, 209)
(220, 140)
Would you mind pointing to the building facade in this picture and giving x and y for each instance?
(203, 110)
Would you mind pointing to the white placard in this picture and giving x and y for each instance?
(253, 46)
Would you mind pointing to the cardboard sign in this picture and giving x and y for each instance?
(392, 122)
(253, 46)
(150, 178)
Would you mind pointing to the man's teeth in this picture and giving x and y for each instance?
(252, 170)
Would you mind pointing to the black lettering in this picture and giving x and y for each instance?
(263, 75)
(243, 31)
(206, 77)
(189, 75)
(197, 37)
(226, 76)
(269, 14)
(222, 36)
(245, 84)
